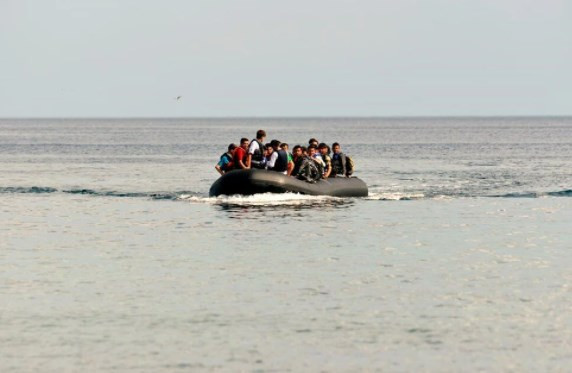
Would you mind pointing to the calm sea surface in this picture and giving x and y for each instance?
(113, 258)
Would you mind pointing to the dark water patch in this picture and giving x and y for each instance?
(152, 195)
(81, 191)
(33, 189)
(561, 193)
(517, 195)
(101, 193)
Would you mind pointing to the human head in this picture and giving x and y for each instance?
(269, 148)
(311, 150)
(284, 146)
(244, 143)
(313, 141)
(231, 147)
(275, 144)
(297, 151)
(336, 148)
(304, 150)
(323, 148)
(260, 135)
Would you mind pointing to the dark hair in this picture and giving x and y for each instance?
(335, 144)
(304, 149)
(243, 140)
(312, 140)
(275, 143)
(296, 147)
(322, 145)
(268, 145)
(260, 134)
(231, 147)
(284, 145)
(312, 147)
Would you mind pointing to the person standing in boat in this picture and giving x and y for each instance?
(256, 150)
(278, 160)
(225, 163)
(239, 158)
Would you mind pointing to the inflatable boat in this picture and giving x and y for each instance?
(253, 181)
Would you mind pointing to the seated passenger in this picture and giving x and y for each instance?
(298, 156)
(225, 163)
(278, 160)
(313, 141)
(340, 166)
(309, 169)
(316, 157)
(268, 151)
(290, 166)
(240, 156)
(325, 152)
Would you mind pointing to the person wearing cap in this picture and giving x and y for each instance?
(225, 163)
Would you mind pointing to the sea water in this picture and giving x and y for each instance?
(114, 258)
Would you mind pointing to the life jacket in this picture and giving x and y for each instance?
(343, 165)
(281, 163)
(257, 160)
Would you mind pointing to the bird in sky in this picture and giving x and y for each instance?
(178, 98)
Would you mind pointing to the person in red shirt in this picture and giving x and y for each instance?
(239, 158)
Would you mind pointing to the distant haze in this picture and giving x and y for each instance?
(123, 58)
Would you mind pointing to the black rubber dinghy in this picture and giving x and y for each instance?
(255, 181)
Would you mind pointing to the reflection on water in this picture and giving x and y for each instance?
(244, 210)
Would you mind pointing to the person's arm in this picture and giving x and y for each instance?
(250, 152)
(327, 173)
(239, 159)
(219, 165)
(242, 165)
(343, 161)
(289, 168)
(270, 164)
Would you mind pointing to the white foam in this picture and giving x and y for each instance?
(395, 196)
(265, 199)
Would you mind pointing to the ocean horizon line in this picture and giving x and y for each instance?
(304, 117)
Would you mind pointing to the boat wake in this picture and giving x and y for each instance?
(268, 199)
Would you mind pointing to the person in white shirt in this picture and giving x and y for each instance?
(256, 150)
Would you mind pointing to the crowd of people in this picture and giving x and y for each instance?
(309, 163)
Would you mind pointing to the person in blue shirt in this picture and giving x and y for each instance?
(225, 163)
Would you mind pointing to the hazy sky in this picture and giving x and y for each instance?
(104, 58)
